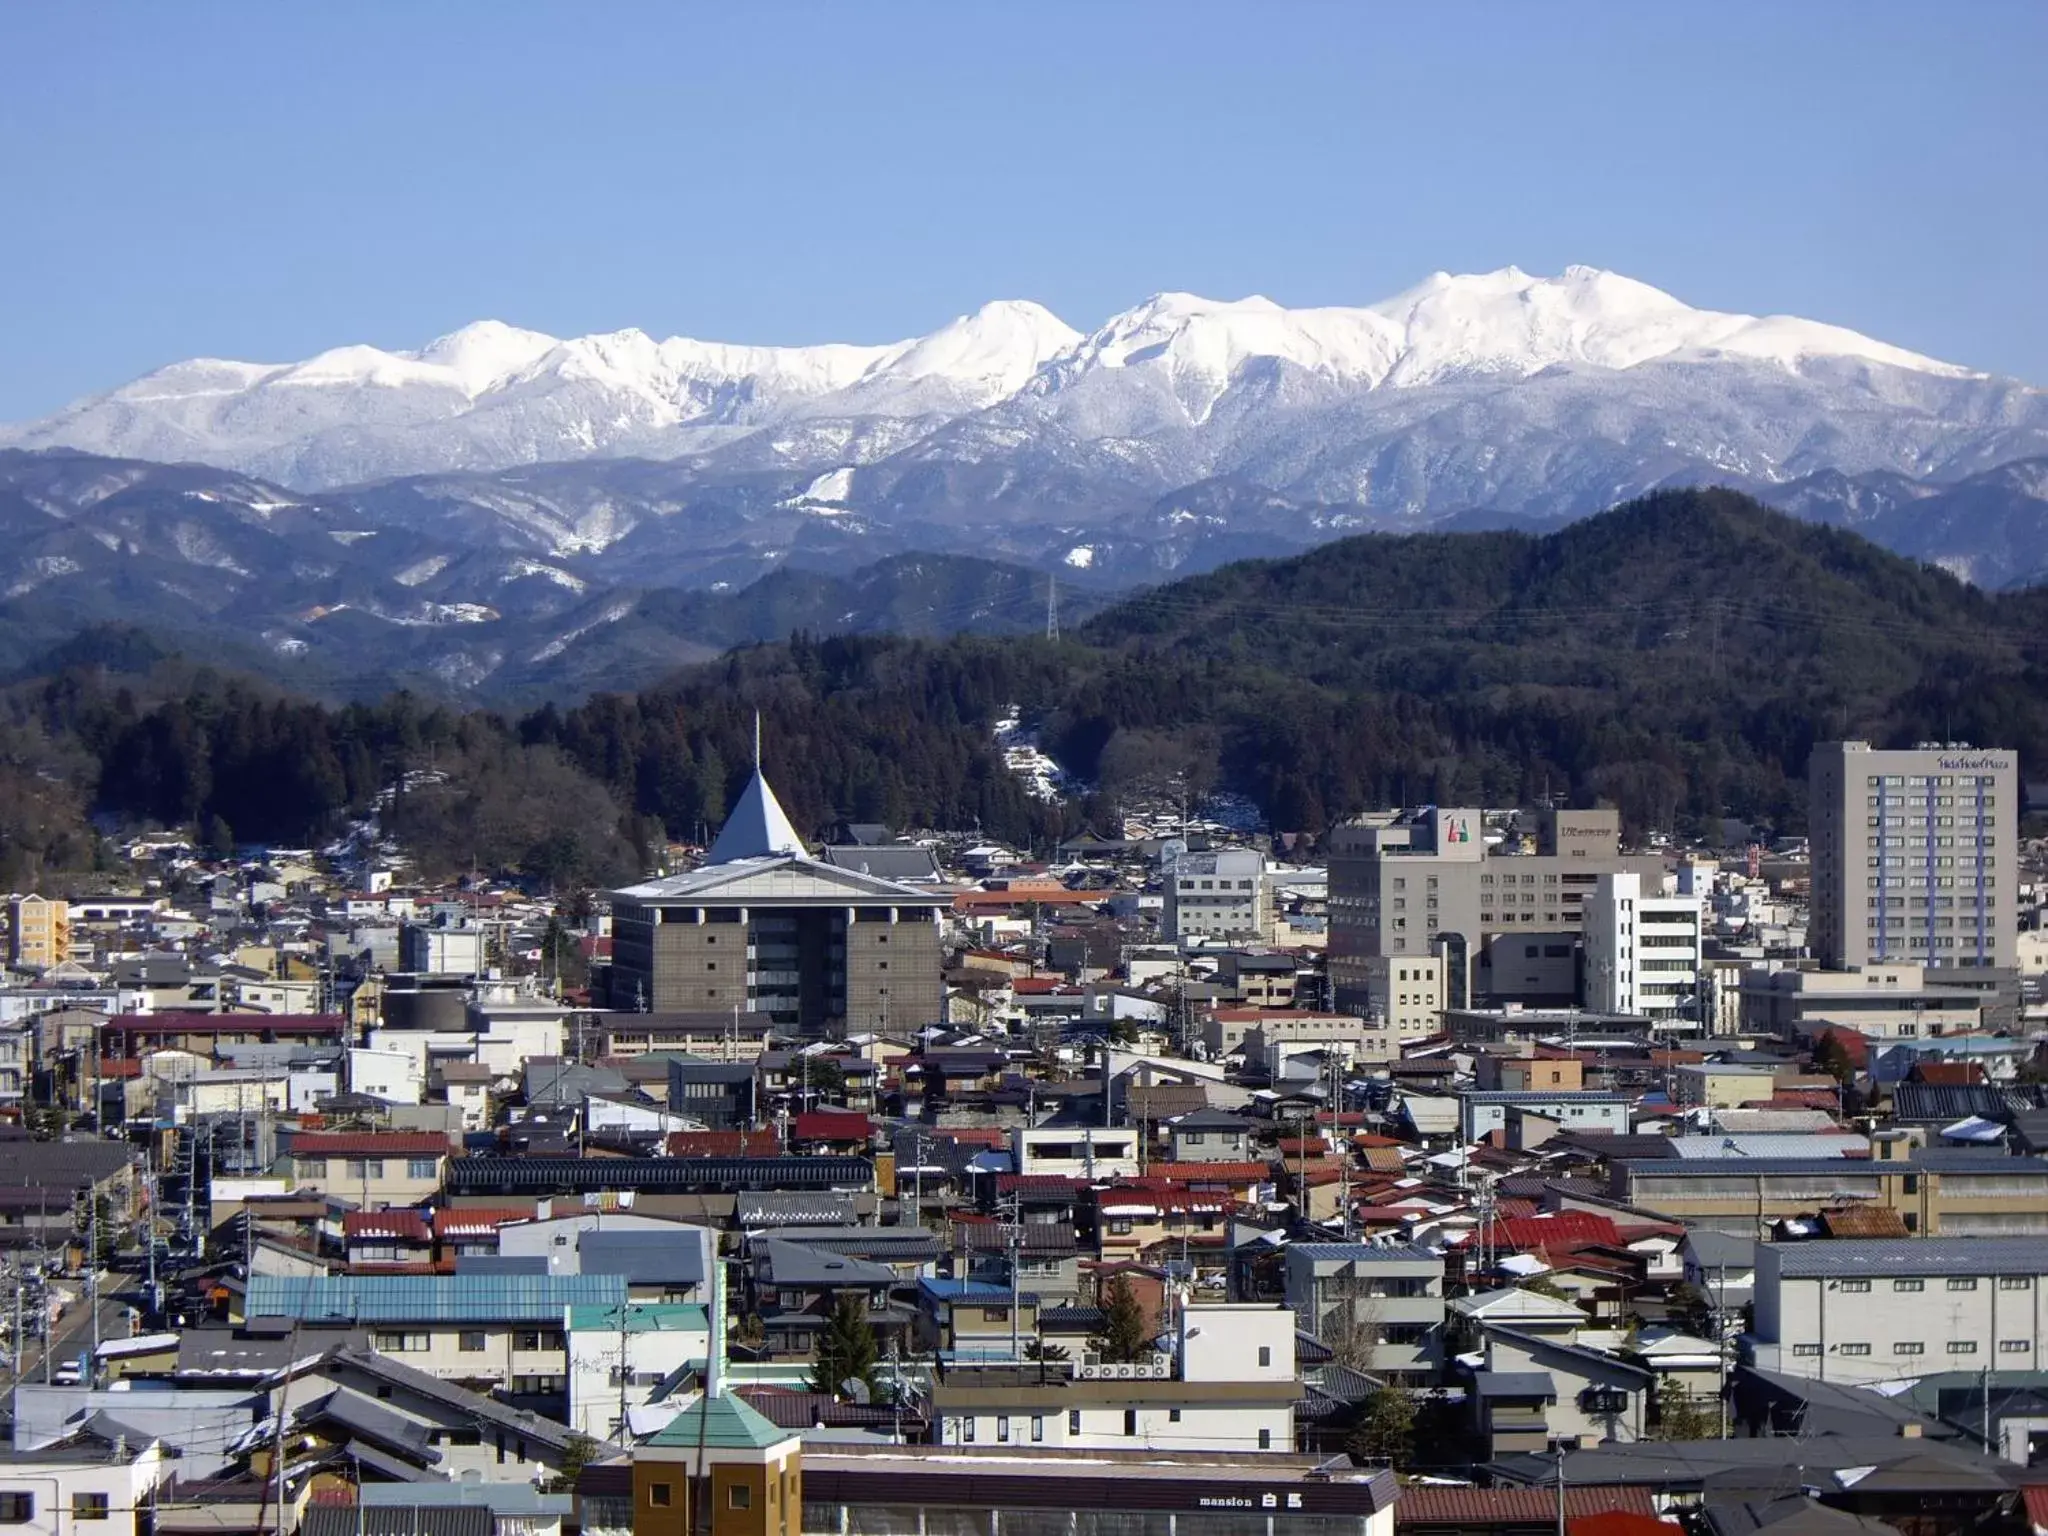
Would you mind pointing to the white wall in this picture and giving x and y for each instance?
(651, 1355)
(389, 1074)
(1852, 1327)
(1222, 1342)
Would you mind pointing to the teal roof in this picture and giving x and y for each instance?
(643, 1317)
(430, 1298)
(723, 1423)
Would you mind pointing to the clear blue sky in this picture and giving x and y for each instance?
(265, 180)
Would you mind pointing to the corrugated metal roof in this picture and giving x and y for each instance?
(430, 1298)
(1911, 1256)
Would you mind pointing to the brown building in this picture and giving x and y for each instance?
(729, 1456)
(764, 928)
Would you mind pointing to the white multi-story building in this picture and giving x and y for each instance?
(1642, 951)
(1075, 1151)
(1915, 855)
(1877, 1309)
(1229, 1385)
(1219, 895)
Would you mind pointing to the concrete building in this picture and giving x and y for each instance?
(439, 951)
(1879, 1309)
(764, 928)
(1721, 1085)
(1220, 895)
(1643, 952)
(1385, 1306)
(38, 932)
(1075, 1152)
(1882, 1002)
(1407, 991)
(1507, 926)
(1915, 855)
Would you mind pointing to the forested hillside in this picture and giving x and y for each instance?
(1677, 656)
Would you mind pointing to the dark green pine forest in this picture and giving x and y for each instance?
(1676, 657)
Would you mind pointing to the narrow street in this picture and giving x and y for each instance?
(73, 1333)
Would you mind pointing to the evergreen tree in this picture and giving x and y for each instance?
(1124, 1337)
(1387, 1430)
(1679, 1417)
(1832, 1057)
(847, 1350)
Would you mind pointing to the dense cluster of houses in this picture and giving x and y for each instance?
(844, 1189)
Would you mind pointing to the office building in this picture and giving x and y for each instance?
(1643, 952)
(1506, 924)
(1220, 895)
(765, 929)
(1915, 855)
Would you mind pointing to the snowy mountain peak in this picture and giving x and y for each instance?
(491, 395)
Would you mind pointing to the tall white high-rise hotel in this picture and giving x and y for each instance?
(1915, 855)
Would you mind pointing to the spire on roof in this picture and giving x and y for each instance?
(758, 828)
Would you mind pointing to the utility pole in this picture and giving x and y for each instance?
(92, 1266)
(1560, 1491)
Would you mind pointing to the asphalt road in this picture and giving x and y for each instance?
(73, 1333)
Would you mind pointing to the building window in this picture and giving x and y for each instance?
(1173, 1415)
(422, 1168)
(1073, 1421)
(995, 1314)
(1909, 1285)
(1265, 1439)
(470, 1343)
(2014, 1282)
(1037, 1428)
(89, 1506)
(1855, 1349)
(739, 1496)
(660, 1495)
(1962, 1346)
(17, 1508)
(1265, 1354)
(1805, 1349)
(1967, 1283)
(1130, 1421)
(1909, 1347)
(1855, 1285)
(402, 1343)
(2014, 1346)
(967, 1431)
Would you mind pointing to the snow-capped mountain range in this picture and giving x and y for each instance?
(504, 509)
(1297, 399)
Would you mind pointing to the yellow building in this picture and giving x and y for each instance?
(38, 932)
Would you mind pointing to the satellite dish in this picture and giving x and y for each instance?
(857, 1390)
